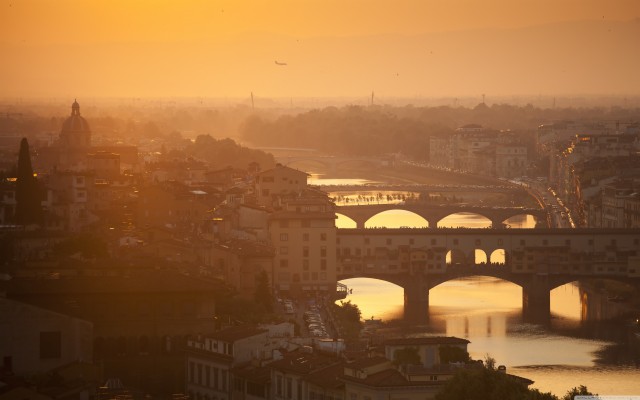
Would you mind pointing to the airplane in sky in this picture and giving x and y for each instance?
(280, 63)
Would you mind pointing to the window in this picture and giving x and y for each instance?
(306, 223)
(267, 179)
(305, 237)
(323, 237)
(305, 265)
(50, 345)
(284, 250)
(305, 252)
(323, 251)
(323, 264)
(366, 240)
(284, 237)
(284, 263)
(265, 192)
(388, 241)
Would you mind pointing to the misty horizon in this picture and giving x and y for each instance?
(558, 59)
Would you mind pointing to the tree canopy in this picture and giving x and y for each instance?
(28, 194)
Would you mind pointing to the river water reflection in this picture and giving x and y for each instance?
(487, 312)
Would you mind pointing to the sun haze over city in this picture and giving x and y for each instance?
(288, 49)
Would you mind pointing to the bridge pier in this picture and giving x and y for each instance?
(416, 300)
(536, 301)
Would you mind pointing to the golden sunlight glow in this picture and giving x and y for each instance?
(224, 48)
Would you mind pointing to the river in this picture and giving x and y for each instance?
(487, 312)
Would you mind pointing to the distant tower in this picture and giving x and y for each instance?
(372, 94)
(75, 131)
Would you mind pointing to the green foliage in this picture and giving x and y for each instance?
(491, 384)
(262, 294)
(577, 391)
(86, 245)
(406, 356)
(347, 315)
(453, 354)
(489, 362)
(487, 384)
(226, 152)
(231, 307)
(349, 311)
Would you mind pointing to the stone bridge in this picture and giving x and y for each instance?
(435, 188)
(538, 260)
(434, 213)
(332, 163)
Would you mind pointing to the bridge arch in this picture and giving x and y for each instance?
(524, 220)
(480, 257)
(498, 256)
(452, 220)
(345, 222)
(396, 218)
(456, 257)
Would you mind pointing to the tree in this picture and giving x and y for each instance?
(28, 197)
(262, 294)
(577, 391)
(406, 356)
(488, 384)
(489, 362)
(89, 246)
(452, 354)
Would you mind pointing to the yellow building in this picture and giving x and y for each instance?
(303, 234)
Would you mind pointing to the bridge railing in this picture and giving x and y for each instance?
(583, 268)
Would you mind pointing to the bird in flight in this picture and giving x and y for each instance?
(281, 63)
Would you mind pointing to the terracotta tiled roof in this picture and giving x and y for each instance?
(147, 281)
(236, 333)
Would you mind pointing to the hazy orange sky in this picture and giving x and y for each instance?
(333, 47)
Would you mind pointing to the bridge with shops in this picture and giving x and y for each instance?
(433, 213)
(537, 260)
(421, 188)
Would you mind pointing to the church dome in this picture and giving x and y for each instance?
(75, 129)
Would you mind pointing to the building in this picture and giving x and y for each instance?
(303, 234)
(141, 318)
(278, 181)
(34, 340)
(211, 358)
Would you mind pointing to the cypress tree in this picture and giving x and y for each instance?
(28, 198)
